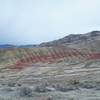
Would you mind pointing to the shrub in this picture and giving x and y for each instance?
(88, 85)
(50, 98)
(19, 84)
(71, 98)
(41, 88)
(74, 82)
(98, 87)
(11, 84)
(65, 88)
(8, 89)
(25, 91)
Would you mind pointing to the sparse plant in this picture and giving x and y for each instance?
(74, 82)
(65, 88)
(11, 84)
(25, 91)
(71, 98)
(19, 84)
(41, 88)
(88, 85)
(2, 76)
(50, 98)
(8, 89)
(88, 64)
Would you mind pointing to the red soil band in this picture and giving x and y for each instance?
(53, 57)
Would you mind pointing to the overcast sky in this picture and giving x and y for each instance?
(36, 21)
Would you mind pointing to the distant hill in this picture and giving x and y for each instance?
(7, 46)
(27, 46)
(16, 46)
(87, 40)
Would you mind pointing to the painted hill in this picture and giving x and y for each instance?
(70, 49)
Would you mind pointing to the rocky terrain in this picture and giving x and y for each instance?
(64, 69)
